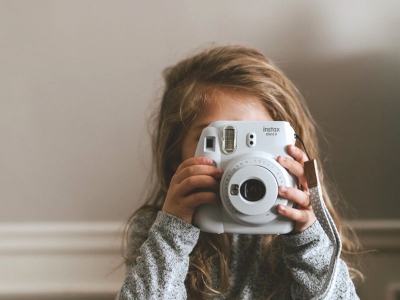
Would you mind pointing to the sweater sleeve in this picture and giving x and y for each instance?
(160, 258)
(308, 255)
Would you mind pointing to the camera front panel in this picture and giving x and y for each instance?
(247, 152)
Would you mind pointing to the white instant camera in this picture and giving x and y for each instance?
(247, 152)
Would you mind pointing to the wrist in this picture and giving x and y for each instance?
(187, 217)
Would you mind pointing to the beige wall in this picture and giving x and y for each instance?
(77, 79)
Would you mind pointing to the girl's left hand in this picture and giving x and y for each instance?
(303, 214)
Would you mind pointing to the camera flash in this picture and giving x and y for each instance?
(229, 139)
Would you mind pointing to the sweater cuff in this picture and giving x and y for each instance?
(311, 234)
(174, 229)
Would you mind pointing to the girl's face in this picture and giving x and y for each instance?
(229, 106)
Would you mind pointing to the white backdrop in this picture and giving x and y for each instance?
(77, 79)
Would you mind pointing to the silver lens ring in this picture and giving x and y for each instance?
(265, 169)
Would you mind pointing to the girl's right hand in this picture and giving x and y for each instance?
(195, 182)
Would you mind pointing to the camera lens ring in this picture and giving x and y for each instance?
(237, 176)
(262, 211)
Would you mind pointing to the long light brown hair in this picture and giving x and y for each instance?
(189, 87)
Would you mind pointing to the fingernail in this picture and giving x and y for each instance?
(283, 189)
(282, 208)
(282, 158)
(294, 149)
(208, 161)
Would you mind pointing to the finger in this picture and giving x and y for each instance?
(295, 195)
(297, 215)
(195, 161)
(196, 170)
(297, 154)
(199, 198)
(295, 168)
(190, 184)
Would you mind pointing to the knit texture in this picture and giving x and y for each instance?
(160, 246)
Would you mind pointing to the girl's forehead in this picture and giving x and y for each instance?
(234, 106)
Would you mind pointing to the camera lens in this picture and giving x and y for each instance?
(252, 190)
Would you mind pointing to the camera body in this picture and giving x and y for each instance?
(247, 153)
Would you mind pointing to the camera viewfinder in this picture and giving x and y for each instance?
(210, 143)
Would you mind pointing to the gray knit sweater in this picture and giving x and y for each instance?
(161, 248)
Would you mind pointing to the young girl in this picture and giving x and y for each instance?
(167, 256)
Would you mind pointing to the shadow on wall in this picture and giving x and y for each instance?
(354, 101)
(348, 75)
